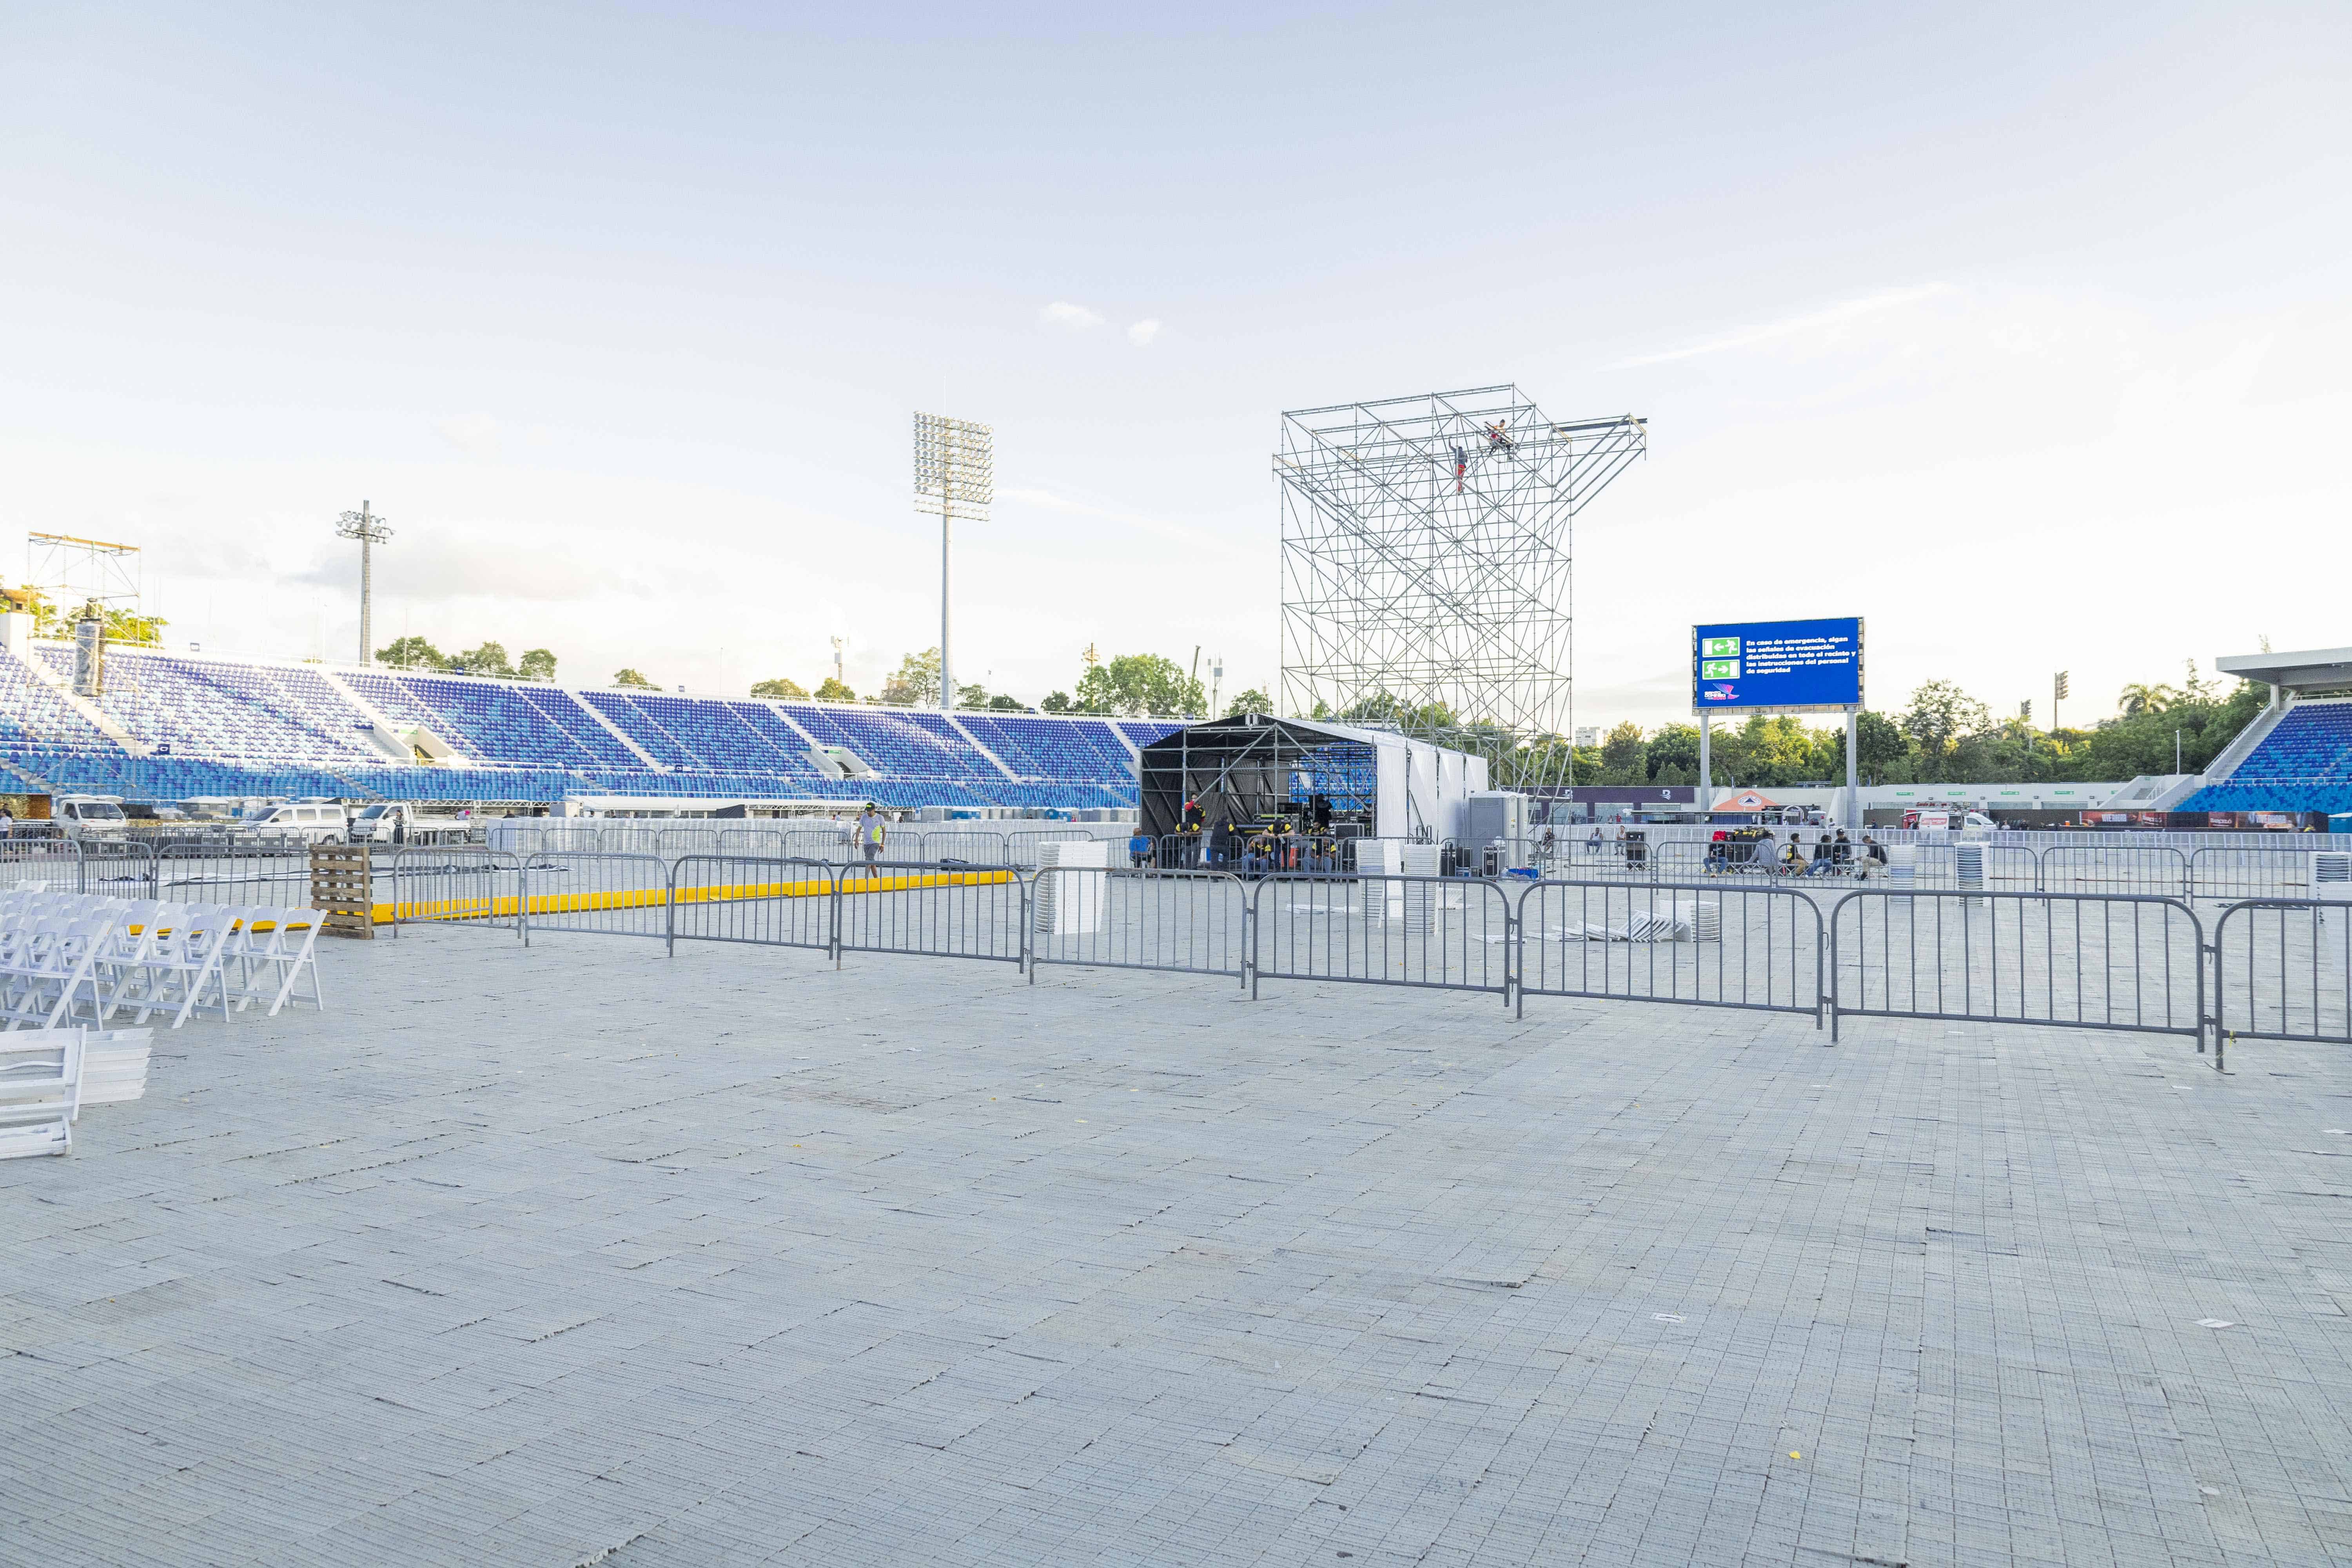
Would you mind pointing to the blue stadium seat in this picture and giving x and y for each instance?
(2305, 764)
(243, 727)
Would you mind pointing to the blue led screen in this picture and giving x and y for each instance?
(1792, 665)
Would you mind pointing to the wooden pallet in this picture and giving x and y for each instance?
(342, 886)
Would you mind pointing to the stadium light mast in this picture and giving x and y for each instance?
(955, 476)
(369, 530)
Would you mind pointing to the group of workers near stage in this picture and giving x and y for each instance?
(1752, 849)
(1285, 842)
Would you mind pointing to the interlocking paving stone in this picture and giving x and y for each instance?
(530, 1255)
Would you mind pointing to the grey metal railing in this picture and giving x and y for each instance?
(2263, 872)
(1721, 943)
(1193, 923)
(442, 884)
(976, 912)
(54, 864)
(762, 900)
(604, 895)
(2093, 960)
(241, 874)
(2283, 971)
(1451, 933)
(2279, 968)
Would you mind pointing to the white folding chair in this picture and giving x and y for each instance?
(184, 960)
(275, 960)
(51, 970)
(40, 1091)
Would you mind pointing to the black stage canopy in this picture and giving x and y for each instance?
(1243, 769)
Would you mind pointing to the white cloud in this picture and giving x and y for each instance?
(1076, 318)
(1792, 326)
(1143, 332)
(476, 434)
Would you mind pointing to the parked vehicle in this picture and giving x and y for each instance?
(385, 822)
(314, 822)
(91, 815)
(1947, 817)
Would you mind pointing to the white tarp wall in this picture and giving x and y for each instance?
(1422, 789)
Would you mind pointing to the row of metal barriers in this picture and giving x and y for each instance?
(2265, 968)
(2209, 874)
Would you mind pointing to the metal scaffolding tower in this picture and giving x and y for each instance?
(1426, 568)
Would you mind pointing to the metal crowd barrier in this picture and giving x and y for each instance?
(2124, 869)
(436, 885)
(978, 911)
(236, 874)
(1451, 933)
(1713, 944)
(2254, 873)
(2283, 971)
(1193, 923)
(768, 901)
(605, 895)
(2120, 961)
(2281, 968)
(48, 864)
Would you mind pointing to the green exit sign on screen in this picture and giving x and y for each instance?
(1719, 648)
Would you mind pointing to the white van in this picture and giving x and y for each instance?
(385, 822)
(90, 817)
(318, 823)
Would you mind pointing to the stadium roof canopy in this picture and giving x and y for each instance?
(2326, 668)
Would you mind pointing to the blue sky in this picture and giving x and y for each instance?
(2020, 331)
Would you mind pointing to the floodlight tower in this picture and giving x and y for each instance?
(955, 476)
(1426, 568)
(369, 530)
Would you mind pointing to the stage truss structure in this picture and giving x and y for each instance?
(1427, 569)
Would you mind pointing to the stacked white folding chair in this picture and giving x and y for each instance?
(40, 1091)
(114, 1065)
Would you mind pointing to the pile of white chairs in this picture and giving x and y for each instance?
(47, 1076)
(66, 959)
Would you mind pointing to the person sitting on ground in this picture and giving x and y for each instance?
(1842, 852)
(1822, 858)
(1792, 858)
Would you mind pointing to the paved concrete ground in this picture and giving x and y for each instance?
(574, 1254)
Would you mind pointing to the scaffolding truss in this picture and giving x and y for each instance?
(1426, 568)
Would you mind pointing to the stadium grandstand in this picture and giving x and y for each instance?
(170, 726)
(2297, 755)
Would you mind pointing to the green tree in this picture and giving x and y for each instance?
(1250, 701)
(489, 660)
(1137, 684)
(536, 664)
(1939, 714)
(1625, 756)
(971, 696)
(917, 682)
(630, 677)
(129, 627)
(1056, 702)
(1673, 754)
(412, 653)
(1001, 703)
(2140, 699)
(778, 687)
(831, 690)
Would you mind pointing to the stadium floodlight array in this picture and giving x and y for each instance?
(369, 530)
(955, 476)
(1426, 568)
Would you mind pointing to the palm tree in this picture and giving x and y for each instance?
(2139, 698)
